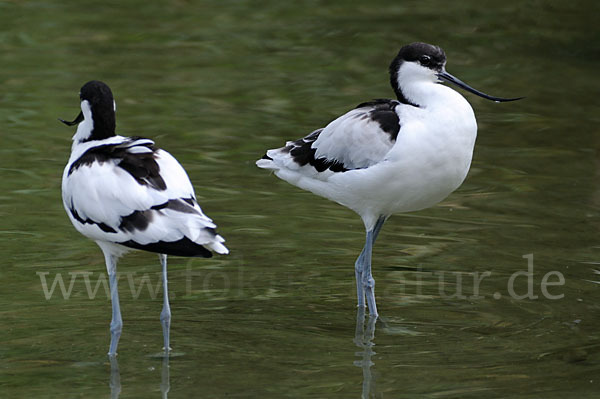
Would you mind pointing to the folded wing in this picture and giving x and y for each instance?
(137, 195)
(356, 140)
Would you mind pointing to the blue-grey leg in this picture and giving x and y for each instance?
(116, 323)
(362, 264)
(358, 267)
(165, 315)
(368, 281)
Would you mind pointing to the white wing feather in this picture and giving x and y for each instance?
(353, 139)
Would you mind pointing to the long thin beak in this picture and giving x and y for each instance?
(75, 121)
(449, 78)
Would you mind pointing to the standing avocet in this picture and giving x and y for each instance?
(388, 156)
(125, 193)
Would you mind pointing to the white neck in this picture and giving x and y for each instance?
(420, 86)
(416, 83)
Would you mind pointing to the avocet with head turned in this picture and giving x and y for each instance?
(125, 193)
(388, 156)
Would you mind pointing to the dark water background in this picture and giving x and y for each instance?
(218, 82)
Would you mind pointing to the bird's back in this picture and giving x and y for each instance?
(127, 191)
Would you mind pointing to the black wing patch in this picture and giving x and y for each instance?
(383, 111)
(137, 220)
(140, 220)
(303, 153)
(183, 247)
(141, 165)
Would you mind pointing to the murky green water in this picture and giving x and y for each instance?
(218, 82)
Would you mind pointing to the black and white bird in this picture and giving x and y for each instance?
(125, 193)
(388, 156)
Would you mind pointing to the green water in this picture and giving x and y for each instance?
(218, 82)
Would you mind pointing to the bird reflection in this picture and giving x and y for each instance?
(363, 338)
(165, 378)
(115, 378)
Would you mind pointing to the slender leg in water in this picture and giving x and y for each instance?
(116, 324)
(362, 265)
(165, 315)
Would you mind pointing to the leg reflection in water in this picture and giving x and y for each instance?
(363, 338)
(115, 378)
(165, 379)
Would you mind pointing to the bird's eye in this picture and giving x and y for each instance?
(425, 60)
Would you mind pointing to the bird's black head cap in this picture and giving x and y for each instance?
(102, 105)
(427, 55)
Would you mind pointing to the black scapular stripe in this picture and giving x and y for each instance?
(142, 166)
(383, 111)
(103, 226)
